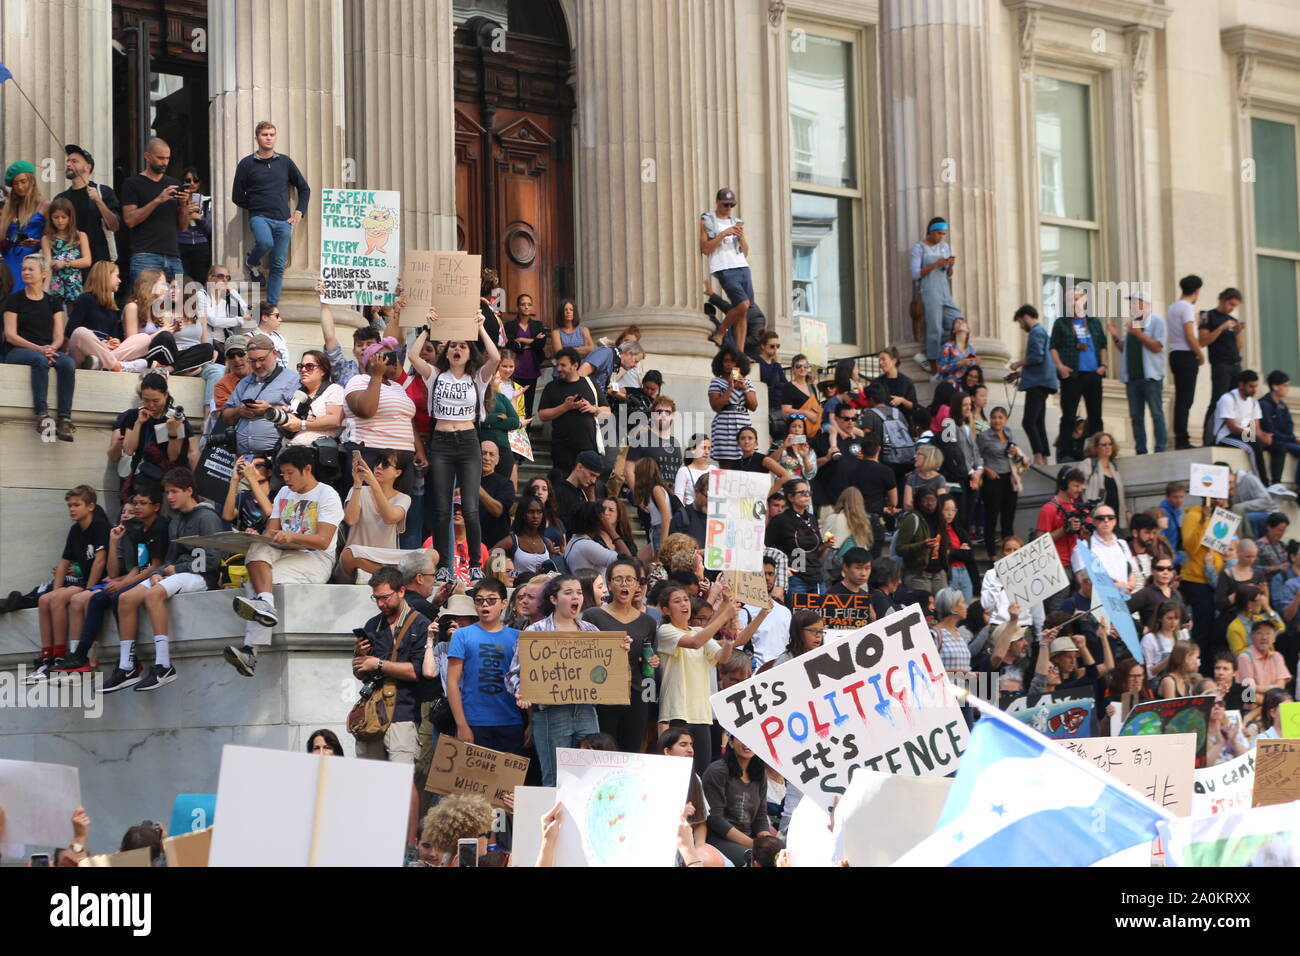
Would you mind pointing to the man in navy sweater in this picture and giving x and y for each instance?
(262, 181)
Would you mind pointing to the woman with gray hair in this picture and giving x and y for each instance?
(949, 612)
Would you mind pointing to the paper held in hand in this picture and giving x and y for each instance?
(1033, 573)
(1221, 530)
(448, 283)
(361, 246)
(574, 667)
(1208, 481)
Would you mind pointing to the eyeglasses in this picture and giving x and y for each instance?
(382, 597)
(235, 353)
(1103, 517)
(814, 630)
(621, 581)
(1163, 567)
(801, 491)
(802, 365)
(308, 367)
(798, 417)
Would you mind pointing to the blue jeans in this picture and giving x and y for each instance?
(270, 235)
(959, 578)
(1142, 395)
(562, 725)
(737, 283)
(797, 585)
(211, 373)
(170, 265)
(507, 739)
(99, 605)
(64, 367)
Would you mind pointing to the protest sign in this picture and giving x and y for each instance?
(1159, 768)
(843, 611)
(1221, 530)
(809, 838)
(1032, 573)
(361, 245)
(212, 475)
(448, 283)
(1061, 719)
(458, 767)
(1290, 714)
(1260, 836)
(192, 812)
(1224, 787)
(1208, 481)
(883, 815)
(189, 849)
(878, 699)
(38, 800)
(1178, 715)
(520, 444)
(531, 804)
(813, 340)
(620, 809)
(573, 667)
(1277, 772)
(140, 858)
(1113, 602)
(292, 809)
(736, 520)
(749, 587)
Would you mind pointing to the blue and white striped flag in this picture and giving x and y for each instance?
(1021, 800)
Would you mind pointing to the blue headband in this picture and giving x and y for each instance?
(938, 225)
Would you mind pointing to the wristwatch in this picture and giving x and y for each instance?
(76, 848)
(380, 669)
(302, 424)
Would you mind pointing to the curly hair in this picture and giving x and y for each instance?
(677, 553)
(457, 817)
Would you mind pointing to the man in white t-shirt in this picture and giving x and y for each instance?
(1237, 420)
(305, 513)
(1111, 550)
(773, 634)
(722, 239)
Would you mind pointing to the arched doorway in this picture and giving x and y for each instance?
(514, 169)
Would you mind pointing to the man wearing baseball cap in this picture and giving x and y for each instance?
(722, 239)
(236, 370)
(1142, 370)
(96, 205)
(268, 385)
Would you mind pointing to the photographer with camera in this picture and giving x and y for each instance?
(248, 498)
(1061, 516)
(1111, 550)
(388, 661)
(269, 386)
(156, 436)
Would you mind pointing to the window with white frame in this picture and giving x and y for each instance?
(1068, 225)
(826, 196)
(1274, 147)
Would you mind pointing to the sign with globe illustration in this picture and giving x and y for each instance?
(1221, 530)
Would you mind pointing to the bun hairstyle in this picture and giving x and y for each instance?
(386, 344)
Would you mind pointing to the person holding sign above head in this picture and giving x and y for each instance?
(392, 652)
(625, 578)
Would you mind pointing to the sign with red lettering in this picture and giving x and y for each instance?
(877, 698)
(737, 520)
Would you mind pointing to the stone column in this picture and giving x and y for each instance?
(400, 89)
(938, 135)
(254, 74)
(60, 53)
(639, 194)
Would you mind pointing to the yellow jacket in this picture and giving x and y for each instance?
(1193, 529)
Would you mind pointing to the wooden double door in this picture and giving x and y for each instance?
(514, 168)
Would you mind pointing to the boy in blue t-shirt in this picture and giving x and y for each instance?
(477, 660)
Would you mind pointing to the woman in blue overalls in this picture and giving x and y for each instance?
(932, 262)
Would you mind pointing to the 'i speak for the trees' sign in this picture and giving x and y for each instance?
(877, 698)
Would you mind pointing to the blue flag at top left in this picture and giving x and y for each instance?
(4, 73)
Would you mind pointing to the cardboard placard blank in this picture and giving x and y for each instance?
(142, 857)
(458, 767)
(574, 667)
(1277, 772)
(190, 849)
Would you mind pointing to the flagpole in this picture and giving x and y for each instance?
(14, 80)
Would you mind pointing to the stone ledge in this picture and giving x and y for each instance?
(99, 398)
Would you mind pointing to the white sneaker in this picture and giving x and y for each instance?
(255, 609)
(94, 363)
(135, 366)
(923, 360)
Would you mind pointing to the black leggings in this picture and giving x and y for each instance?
(1034, 421)
(999, 504)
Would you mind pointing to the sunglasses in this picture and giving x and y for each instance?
(728, 205)
(487, 601)
(235, 353)
(1164, 567)
(308, 367)
(798, 416)
(221, 275)
(1103, 517)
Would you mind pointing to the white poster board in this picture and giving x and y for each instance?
(1208, 481)
(292, 809)
(813, 339)
(1221, 530)
(361, 246)
(883, 815)
(809, 838)
(39, 800)
(1158, 766)
(878, 699)
(1032, 573)
(531, 804)
(737, 520)
(620, 809)
(1225, 787)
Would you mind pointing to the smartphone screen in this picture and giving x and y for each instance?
(40, 859)
(467, 853)
(799, 440)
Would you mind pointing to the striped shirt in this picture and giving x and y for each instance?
(728, 422)
(390, 427)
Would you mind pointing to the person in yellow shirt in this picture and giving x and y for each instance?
(1253, 602)
(1197, 591)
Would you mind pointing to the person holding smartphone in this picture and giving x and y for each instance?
(932, 263)
(1217, 334)
(156, 210)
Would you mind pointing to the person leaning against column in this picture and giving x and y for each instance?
(1037, 379)
(261, 187)
(1079, 351)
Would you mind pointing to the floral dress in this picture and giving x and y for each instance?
(66, 283)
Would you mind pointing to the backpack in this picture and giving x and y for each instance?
(897, 447)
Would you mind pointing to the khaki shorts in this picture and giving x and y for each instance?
(291, 567)
(398, 745)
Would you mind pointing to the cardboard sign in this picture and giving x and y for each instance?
(1221, 530)
(1290, 713)
(737, 520)
(1060, 719)
(531, 804)
(459, 767)
(574, 667)
(1159, 768)
(877, 699)
(192, 812)
(1033, 573)
(813, 339)
(520, 443)
(361, 246)
(1113, 603)
(140, 858)
(38, 800)
(235, 542)
(843, 611)
(190, 849)
(1225, 787)
(1208, 481)
(448, 283)
(620, 809)
(749, 588)
(296, 809)
(1277, 772)
(1178, 715)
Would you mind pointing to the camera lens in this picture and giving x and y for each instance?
(276, 416)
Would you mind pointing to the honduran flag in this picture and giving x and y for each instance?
(1021, 800)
